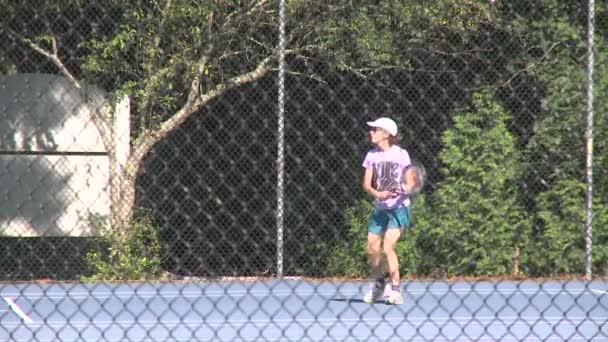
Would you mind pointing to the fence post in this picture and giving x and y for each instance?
(281, 139)
(589, 142)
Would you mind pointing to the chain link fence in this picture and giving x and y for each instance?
(192, 171)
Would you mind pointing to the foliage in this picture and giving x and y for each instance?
(560, 246)
(348, 256)
(134, 254)
(555, 156)
(158, 49)
(164, 53)
(401, 34)
(477, 219)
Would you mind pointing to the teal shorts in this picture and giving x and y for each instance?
(383, 219)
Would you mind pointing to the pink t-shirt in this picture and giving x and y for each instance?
(388, 173)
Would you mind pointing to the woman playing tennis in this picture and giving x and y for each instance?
(386, 179)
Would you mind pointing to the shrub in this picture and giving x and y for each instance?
(130, 255)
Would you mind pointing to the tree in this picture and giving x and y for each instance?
(477, 221)
(555, 155)
(560, 249)
(175, 57)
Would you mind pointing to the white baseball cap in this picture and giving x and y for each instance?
(385, 123)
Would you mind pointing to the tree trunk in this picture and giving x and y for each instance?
(123, 199)
(123, 181)
(516, 261)
(123, 178)
(123, 173)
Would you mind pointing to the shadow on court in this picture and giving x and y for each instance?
(353, 300)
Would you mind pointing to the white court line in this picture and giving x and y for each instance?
(279, 293)
(574, 321)
(18, 311)
(599, 291)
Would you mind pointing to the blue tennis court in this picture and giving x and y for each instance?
(301, 310)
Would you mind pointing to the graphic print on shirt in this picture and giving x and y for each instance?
(386, 176)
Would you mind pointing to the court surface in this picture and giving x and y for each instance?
(299, 310)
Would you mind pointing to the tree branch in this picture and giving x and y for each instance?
(52, 56)
(530, 66)
(269, 48)
(195, 86)
(100, 122)
(253, 7)
(196, 102)
(260, 71)
(312, 76)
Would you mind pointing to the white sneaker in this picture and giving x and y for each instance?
(387, 290)
(374, 293)
(394, 298)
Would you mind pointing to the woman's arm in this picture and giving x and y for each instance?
(410, 181)
(367, 186)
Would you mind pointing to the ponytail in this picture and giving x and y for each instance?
(394, 139)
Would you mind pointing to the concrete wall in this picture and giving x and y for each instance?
(54, 167)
